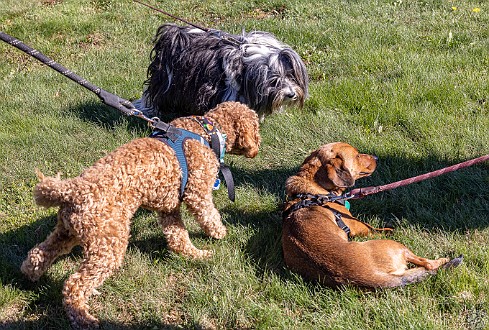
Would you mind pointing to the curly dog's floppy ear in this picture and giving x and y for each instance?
(333, 163)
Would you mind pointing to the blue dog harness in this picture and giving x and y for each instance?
(175, 138)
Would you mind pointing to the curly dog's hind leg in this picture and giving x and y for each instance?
(101, 257)
(38, 260)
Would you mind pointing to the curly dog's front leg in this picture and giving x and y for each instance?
(177, 236)
(206, 214)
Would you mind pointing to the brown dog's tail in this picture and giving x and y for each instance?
(418, 274)
(52, 191)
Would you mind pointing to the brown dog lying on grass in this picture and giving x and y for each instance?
(315, 245)
(95, 208)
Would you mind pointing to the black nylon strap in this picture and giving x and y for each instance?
(340, 223)
(228, 177)
(308, 200)
(216, 147)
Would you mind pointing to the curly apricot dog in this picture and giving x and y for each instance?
(96, 207)
(316, 230)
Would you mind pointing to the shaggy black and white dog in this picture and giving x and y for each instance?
(192, 71)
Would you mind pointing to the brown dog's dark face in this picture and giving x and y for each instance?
(341, 165)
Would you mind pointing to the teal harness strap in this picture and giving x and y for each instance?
(175, 139)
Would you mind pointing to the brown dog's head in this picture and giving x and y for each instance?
(331, 168)
(241, 126)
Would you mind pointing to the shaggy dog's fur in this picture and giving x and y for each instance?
(213, 66)
(96, 207)
(316, 247)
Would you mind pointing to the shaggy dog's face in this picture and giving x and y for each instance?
(274, 79)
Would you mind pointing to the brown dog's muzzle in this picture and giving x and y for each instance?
(368, 164)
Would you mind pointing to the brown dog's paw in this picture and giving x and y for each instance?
(385, 230)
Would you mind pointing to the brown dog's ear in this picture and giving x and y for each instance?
(341, 178)
(248, 138)
(333, 164)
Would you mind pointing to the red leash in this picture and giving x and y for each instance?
(362, 192)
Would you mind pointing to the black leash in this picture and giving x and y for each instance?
(174, 17)
(107, 98)
(110, 99)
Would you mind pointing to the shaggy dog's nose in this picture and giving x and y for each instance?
(291, 95)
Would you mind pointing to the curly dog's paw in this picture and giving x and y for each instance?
(204, 254)
(33, 266)
(217, 232)
(81, 319)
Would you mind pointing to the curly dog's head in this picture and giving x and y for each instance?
(241, 126)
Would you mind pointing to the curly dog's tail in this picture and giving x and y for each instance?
(52, 191)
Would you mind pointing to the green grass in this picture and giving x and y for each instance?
(405, 80)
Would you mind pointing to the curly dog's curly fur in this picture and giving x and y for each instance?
(96, 207)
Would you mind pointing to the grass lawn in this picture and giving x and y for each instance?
(405, 80)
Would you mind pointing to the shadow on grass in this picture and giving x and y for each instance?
(109, 118)
(45, 323)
